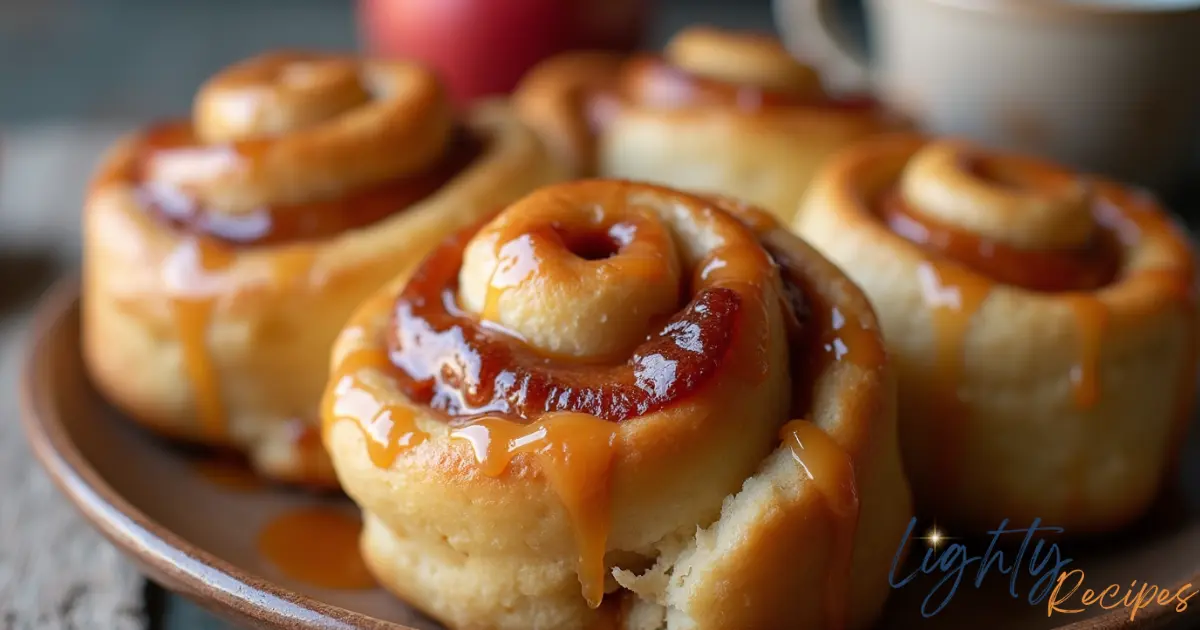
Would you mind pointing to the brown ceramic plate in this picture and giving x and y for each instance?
(198, 536)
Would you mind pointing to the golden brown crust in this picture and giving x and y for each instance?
(693, 494)
(264, 318)
(723, 112)
(553, 100)
(1019, 403)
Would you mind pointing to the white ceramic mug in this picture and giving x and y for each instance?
(1109, 86)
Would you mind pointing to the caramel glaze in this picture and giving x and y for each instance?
(821, 335)
(315, 220)
(1086, 269)
(574, 451)
(214, 238)
(188, 270)
(574, 437)
(451, 363)
(957, 282)
(827, 465)
(390, 429)
(317, 546)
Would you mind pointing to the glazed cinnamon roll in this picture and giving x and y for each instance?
(718, 111)
(222, 254)
(1042, 322)
(618, 403)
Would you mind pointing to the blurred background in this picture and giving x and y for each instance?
(127, 60)
(75, 74)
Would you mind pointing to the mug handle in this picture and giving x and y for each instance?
(812, 31)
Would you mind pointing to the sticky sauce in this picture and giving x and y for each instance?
(575, 452)
(388, 427)
(1088, 268)
(317, 546)
(314, 220)
(845, 337)
(1091, 320)
(517, 261)
(449, 362)
(192, 275)
(829, 467)
(953, 295)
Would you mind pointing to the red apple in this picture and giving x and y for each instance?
(483, 47)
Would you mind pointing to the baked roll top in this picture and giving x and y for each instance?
(1043, 323)
(717, 111)
(619, 401)
(223, 252)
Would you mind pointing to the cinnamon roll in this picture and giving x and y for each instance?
(718, 111)
(618, 403)
(222, 254)
(1042, 322)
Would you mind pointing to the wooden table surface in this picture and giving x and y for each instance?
(74, 75)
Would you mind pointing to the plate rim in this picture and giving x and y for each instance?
(211, 581)
(208, 580)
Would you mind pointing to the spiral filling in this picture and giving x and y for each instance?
(296, 147)
(448, 361)
(296, 222)
(1014, 220)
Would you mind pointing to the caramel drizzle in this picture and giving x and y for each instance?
(388, 428)
(1090, 268)
(842, 337)
(190, 273)
(194, 276)
(193, 268)
(575, 452)
(953, 295)
(517, 262)
(1091, 317)
(317, 546)
(829, 467)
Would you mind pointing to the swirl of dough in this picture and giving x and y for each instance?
(286, 128)
(571, 275)
(223, 253)
(722, 363)
(1044, 321)
(718, 111)
(1008, 199)
(743, 59)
